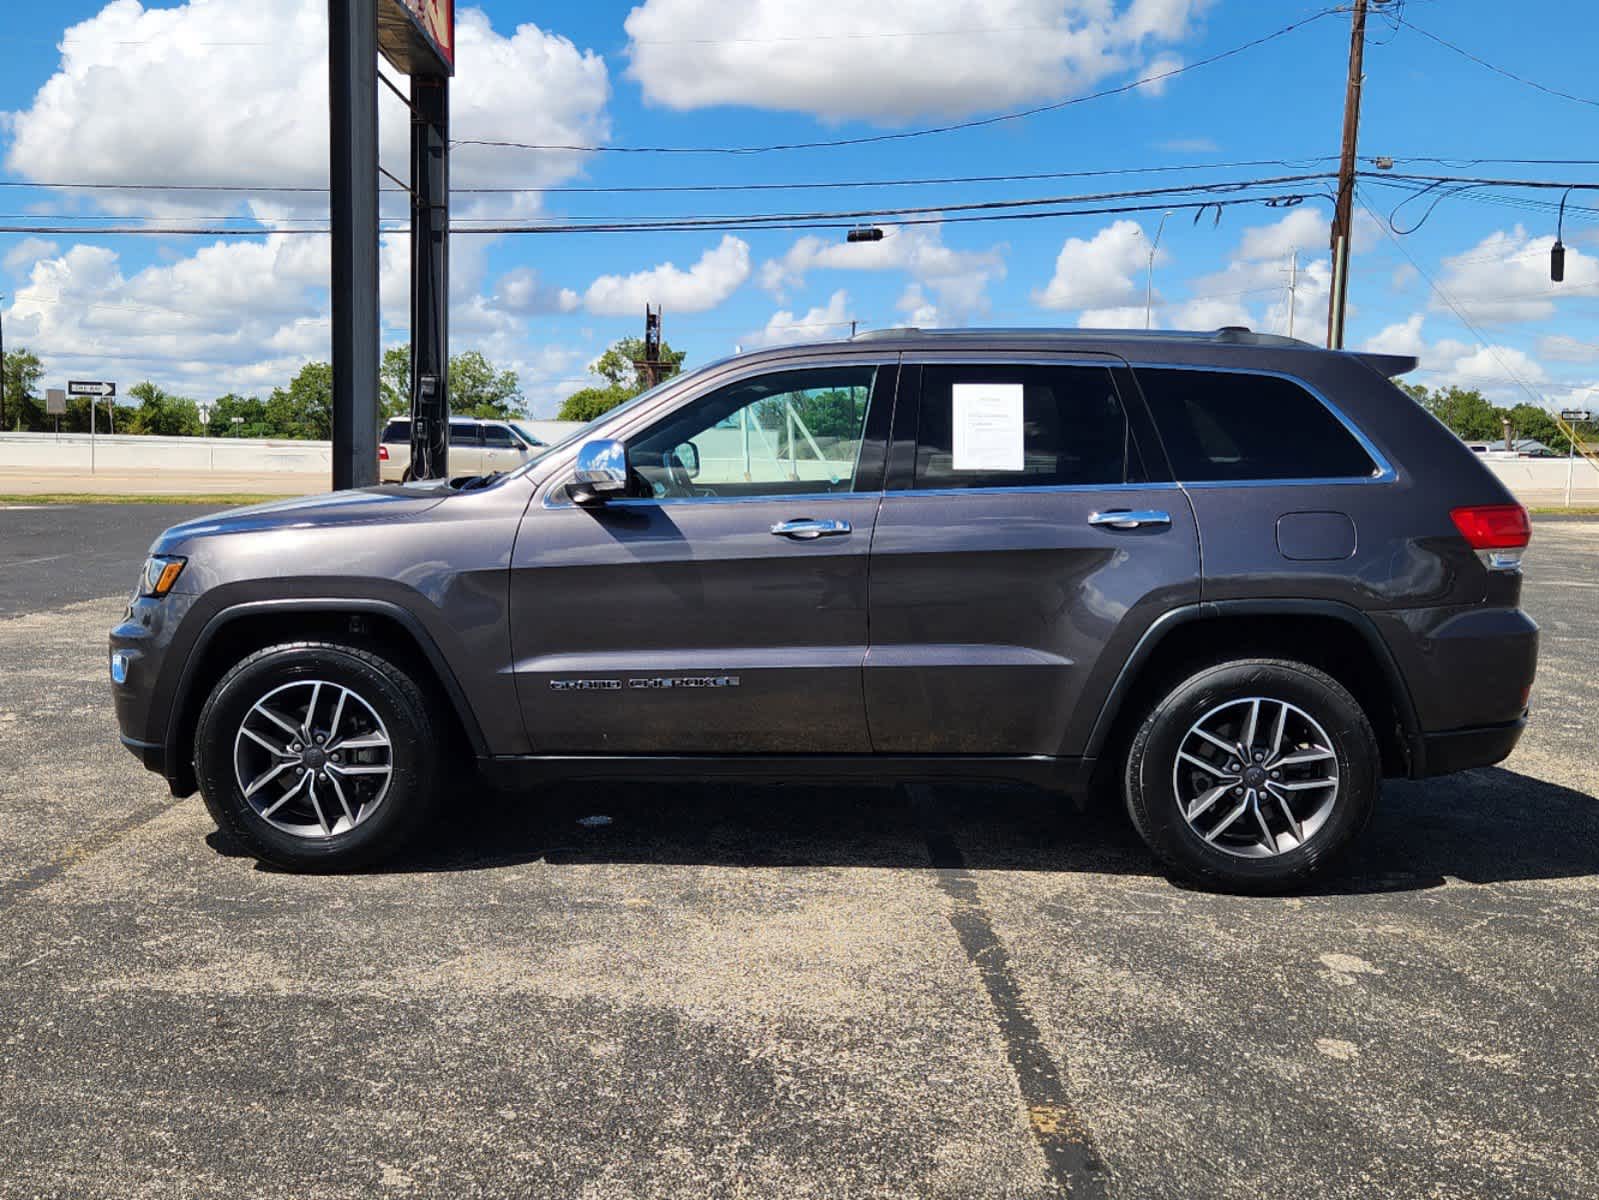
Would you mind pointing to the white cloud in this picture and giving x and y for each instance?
(1157, 74)
(958, 279)
(1564, 348)
(820, 324)
(1505, 278)
(1106, 270)
(1191, 145)
(920, 311)
(20, 258)
(719, 273)
(1302, 229)
(892, 60)
(521, 291)
(1498, 371)
(235, 92)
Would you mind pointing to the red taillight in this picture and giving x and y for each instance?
(383, 453)
(1493, 526)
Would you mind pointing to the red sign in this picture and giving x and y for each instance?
(418, 36)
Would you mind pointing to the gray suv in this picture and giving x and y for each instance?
(1234, 578)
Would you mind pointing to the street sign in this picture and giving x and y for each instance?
(55, 401)
(1575, 415)
(88, 387)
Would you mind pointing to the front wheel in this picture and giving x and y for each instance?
(1249, 775)
(317, 756)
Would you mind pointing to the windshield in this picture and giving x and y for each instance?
(527, 435)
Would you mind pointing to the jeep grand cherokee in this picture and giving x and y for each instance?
(1235, 578)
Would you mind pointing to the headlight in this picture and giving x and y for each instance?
(161, 571)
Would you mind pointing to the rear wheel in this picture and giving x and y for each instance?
(1249, 775)
(317, 756)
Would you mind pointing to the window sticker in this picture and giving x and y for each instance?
(987, 426)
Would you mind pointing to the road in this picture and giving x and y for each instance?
(793, 991)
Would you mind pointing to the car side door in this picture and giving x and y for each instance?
(721, 607)
(466, 448)
(1030, 534)
(502, 449)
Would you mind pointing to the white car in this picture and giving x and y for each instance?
(477, 447)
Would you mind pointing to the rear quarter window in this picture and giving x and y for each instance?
(396, 431)
(1221, 426)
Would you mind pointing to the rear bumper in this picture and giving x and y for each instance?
(1461, 749)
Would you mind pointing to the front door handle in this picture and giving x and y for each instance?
(1122, 518)
(807, 528)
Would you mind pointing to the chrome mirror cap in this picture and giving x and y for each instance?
(601, 472)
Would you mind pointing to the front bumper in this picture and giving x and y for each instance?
(1462, 749)
(137, 654)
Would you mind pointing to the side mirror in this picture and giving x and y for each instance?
(601, 473)
(687, 455)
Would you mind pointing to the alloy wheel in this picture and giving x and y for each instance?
(1256, 777)
(313, 759)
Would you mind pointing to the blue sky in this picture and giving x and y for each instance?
(232, 92)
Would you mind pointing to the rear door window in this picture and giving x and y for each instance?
(1020, 426)
(1230, 426)
(464, 435)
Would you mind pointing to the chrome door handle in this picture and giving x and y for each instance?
(1134, 519)
(806, 528)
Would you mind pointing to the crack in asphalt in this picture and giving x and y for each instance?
(1074, 1164)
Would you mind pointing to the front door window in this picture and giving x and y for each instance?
(787, 433)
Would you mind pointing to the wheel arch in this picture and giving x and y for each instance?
(1336, 638)
(377, 625)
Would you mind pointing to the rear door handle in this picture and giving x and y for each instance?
(1130, 519)
(807, 528)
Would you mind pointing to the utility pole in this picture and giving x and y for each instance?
(1343, 212)
(1149, 277)
(1293, 282)
(652, 345)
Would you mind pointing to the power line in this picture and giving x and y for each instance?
(1449, 300)
(904, 135)
(821, 219)
(1498, 70)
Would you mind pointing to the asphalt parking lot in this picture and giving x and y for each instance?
(779, 992)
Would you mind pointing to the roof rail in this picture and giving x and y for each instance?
(1231, 334)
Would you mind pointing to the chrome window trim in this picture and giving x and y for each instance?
(1385, 472)
(1042, 489)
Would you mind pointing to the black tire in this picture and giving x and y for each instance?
(415, 737)
(406, 476)
(1157, 811)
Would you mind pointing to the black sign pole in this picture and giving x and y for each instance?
(430, 277)
(353, 144)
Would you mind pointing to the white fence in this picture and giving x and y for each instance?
(78, 454)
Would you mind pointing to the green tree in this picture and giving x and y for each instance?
(304, 409)
(1531, 421)
(625, 378)
(620, 364)
(252, 409)
(478, 389)
(1468, 413)
(394, 383)
(591, 402)
(160, 412)
(24, 398)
